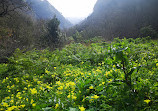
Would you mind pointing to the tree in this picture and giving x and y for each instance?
(9, 6)
(53, 30)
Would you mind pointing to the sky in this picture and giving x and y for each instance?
(74, 8)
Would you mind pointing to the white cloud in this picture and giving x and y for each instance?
(74, 8)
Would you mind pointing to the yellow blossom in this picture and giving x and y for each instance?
(46, 71)
(48, 87)
(72, 83)
(41, 88)
(56, 106)
(11, 101)
(22, 106)
(34, 104)
(68, 96)
(32, 101)
(33, 91)
(82, 108)
(110, 80)
(58, 92)
(60, 88)
(5, 104)
(147, 101)
(113, 66)
(19, 97)
(74, 97)
(95, 97)
(10, 108)
(91, 87)
(53, 75)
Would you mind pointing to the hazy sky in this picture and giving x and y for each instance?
(74, 8)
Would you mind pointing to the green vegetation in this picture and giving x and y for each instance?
(117, 76)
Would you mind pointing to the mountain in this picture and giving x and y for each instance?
(119, 18)
(75, 20)
(44, 10)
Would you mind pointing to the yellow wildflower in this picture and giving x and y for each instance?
(147, 101)
(60, 88)
(33, 91)
(46, 71)
(22, 106)
(5, 104)
(32, 101)
(53, 75)
(34, 104)
(11, 101)
(48, 87)
(19, 97)
(10, 108)
(91, 87)
(41, 88)
(95, 97)
(68, 96)
(82, 108)
(72, 83)
(58, 92)
(110, 80)
(56, 106)
(74, 97)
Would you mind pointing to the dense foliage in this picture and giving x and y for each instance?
(21, 26)
(117, 76)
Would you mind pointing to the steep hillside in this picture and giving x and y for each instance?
(119, 18)
(43, 9)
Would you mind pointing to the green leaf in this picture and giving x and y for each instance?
(132, 70)
(73, 109)
(47, 109)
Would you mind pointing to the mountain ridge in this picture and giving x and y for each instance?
(44, 10)
(123, 18)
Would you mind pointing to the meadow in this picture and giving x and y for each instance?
(121, 75)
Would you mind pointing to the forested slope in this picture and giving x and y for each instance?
(44, 10)
(120, 18)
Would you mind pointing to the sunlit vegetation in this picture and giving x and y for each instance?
(117, 76)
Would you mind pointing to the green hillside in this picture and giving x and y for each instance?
(118, 76)
(119, 18)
